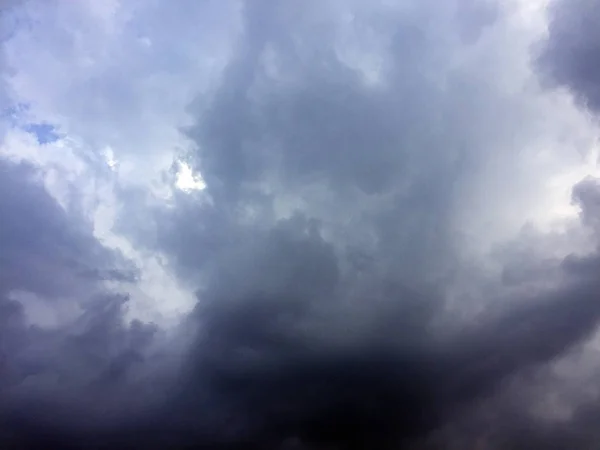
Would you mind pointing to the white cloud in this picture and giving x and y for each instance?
(115, 78)
(97, 78)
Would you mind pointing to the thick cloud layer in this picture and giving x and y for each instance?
(63, 340)
(361, 279)
(571, 53)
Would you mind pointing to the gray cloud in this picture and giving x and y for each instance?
(37, 233)
(316, 136)
(325, 249)
(64, 338)
(570, 55)
(322, 324)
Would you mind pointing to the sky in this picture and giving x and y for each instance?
(260, 224)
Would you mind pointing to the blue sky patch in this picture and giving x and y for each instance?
(18, 116)
(44, 132)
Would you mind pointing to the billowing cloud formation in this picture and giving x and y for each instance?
(379, 256)
(63, 337)
(570, 54)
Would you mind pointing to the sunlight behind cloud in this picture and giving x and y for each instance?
(187, 180)
(111, 161)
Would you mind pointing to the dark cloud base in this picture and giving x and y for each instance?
(569, 57)
(248, 385)
(320, 330)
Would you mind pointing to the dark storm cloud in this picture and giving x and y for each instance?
(264, 370)
(46, 254)
(275, 373)
(569, 58)
(39, 239)
(64, 342)
(321, 327)
(571, 54)
(323, 249)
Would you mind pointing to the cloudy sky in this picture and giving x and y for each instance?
(317, 224)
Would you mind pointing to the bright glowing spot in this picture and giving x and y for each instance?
(109, 157)
(187, 180)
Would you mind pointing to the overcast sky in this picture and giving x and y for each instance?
(285, 224)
